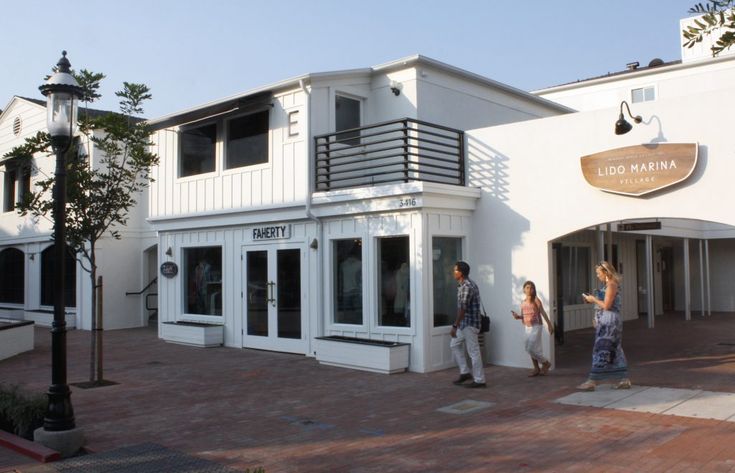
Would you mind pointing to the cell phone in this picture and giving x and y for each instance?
(584, 294)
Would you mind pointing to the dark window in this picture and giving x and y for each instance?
(12, 276)
(577, 273)
(247, 140)
(198, 150)
(445, 252)
(347, 117)
(24, 190)
(347, 273)
(394, 285)
(203, 280)
(9, 190)
(47, 278)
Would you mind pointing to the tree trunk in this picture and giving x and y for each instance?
(93, 341)
(100, 306)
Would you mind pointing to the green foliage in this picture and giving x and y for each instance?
(99, 196)
(21, 413)
(718, 17)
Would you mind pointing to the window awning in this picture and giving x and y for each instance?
(250, 103)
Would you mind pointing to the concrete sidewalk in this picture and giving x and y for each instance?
(247, 408)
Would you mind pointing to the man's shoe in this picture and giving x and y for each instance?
(474, 384)
(462, 378)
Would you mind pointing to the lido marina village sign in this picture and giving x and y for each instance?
(641, 169)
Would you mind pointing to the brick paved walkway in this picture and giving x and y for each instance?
(246, 408)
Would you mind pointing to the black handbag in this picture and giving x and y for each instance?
(484, 321)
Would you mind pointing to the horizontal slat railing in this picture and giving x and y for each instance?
(396, 151)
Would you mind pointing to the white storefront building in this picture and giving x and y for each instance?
(331, 204)
(334, 205)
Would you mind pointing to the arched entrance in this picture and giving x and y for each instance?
(677, 295)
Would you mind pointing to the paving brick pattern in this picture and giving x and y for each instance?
(247, 408)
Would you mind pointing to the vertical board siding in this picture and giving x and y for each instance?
(282, 181)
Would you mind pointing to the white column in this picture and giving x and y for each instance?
(701, 276)
(706, 272)
(687, 285)
(649, 281)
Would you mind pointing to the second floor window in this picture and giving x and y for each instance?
(247, 140)
(9, 190)
(644, 94)
(346, 117)
(198, 150)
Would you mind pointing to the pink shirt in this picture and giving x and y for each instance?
(531, 314)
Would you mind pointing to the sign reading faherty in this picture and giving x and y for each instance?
(272, 232)
(641, 169)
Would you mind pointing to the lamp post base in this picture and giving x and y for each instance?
(66, 442)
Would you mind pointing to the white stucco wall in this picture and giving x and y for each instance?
(534, 192)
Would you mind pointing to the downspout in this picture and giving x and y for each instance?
(320, 227)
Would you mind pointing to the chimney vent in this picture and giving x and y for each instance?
(632, 65)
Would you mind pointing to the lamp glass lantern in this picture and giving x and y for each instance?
(61, 91)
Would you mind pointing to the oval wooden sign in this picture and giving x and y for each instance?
(169, 269)
(641, 169)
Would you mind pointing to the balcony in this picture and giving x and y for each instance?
(397, 151)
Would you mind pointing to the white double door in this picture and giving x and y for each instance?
(274, 298)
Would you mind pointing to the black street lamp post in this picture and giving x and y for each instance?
(62, 92)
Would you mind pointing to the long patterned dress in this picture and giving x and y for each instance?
(608, 359)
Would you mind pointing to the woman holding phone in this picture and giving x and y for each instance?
(608, 360)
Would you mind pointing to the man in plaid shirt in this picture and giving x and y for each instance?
(466, 328)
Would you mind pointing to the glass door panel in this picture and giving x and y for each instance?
(289, 293)
(258, 293)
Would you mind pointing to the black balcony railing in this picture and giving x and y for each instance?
(396, 151)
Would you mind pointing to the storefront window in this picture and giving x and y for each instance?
(12, 276)
(394, 273)
(446, 251)
(577, 270)
(48, 259)
(203, 279)
(347, 273)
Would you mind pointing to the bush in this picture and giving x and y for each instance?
(21, 413)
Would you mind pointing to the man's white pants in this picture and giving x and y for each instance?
(467, 337)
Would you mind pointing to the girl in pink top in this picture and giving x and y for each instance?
(531, 312)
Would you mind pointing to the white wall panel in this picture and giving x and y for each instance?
(272, 184)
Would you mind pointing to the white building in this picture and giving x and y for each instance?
(332, 204)
(26, 247)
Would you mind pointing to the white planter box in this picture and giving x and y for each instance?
(193, 333)
(46, 317)
(15, 337)
(362, 354)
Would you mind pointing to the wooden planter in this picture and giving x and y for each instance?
(362, 354)
(15, 337)
(193, 333)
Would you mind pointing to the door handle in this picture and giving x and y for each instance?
(271, 293)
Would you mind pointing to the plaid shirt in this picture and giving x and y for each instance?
(468, 298)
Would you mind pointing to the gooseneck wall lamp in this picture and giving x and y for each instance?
(61, 91)
(622, 126)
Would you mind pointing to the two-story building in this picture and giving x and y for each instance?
(331, 204)
(26, 246)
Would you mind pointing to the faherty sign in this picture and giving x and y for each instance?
(641, 169)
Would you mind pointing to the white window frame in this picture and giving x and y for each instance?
(180, 149)
(644, 88)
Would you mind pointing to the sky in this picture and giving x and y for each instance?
(193, 52)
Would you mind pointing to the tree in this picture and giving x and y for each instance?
(718, 17)
(99, 195)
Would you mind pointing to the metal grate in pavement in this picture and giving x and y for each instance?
(465, 407)
(141, 458)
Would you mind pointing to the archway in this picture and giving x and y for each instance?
(677, 296)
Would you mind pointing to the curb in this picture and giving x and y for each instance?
(30, 449)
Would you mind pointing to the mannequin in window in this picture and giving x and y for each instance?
(350, 280)
(402, 301)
